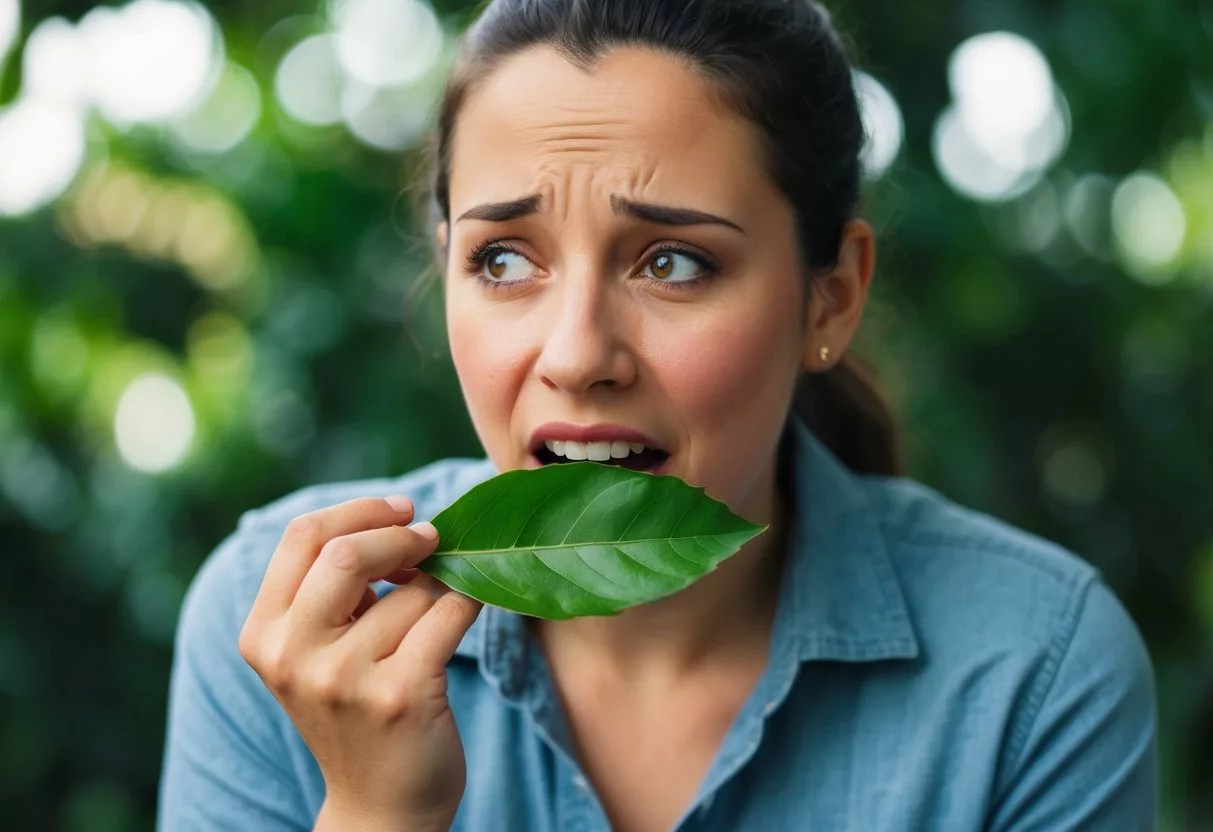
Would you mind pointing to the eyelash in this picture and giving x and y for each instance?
(483, 251)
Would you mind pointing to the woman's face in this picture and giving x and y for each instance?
(620, 273)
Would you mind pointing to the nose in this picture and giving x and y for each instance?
(586, 344)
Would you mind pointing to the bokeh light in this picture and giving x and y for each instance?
(42, 147)
(309, 81)
(178, 221)
(225, 117)
(220, 350)
(1074, 467)
(386, 42)
(154, 423)
(1189, 171)
(1008, 122)
(150, 60)
(55, 63)
(38, 483)
(360, 73)
(1032, 222)
(1004, 89)
(215, 243)
(1088, 213)
(1150, 225)
(10, 24)
(59, 355)
(967, 167)
(388, 118)
(882, 122)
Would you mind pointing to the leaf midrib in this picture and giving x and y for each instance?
(506, 550)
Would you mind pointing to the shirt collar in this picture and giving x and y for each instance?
(846, 601)
(842, 596)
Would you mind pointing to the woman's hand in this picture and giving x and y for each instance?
(364, 679)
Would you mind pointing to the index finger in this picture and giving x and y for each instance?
(338, 579)
(306, 535)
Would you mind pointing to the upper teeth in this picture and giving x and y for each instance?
(595, 451)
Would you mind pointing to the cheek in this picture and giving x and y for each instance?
(488, 357)
(734, 372)
(470, 350)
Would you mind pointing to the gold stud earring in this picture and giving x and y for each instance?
(824, 354)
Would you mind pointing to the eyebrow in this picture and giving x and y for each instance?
(666, 215)
(503, 211)
(661, 214)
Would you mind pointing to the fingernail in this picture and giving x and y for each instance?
(399, 503)
(426, 530)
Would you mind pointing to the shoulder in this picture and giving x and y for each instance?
(236, 567)
(954, 561)
(1023, 619)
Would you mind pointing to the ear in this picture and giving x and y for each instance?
(838, 297)
(442, 235)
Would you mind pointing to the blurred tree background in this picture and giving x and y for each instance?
(210, 296)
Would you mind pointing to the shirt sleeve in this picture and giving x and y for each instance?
(228, 756)
(1086, 758)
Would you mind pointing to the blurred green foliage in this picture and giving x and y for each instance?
(1041, 375)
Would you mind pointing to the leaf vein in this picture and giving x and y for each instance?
(543, 528)
(478, 552)
(479, 517)
(496, 583)
(644, 565)
(592, 568)
(590, 505)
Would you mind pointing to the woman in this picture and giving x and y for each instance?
(646, 216)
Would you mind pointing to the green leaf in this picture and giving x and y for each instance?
(581, 539)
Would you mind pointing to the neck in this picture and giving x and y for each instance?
(724, 616)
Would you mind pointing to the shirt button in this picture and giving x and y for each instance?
(580, 782)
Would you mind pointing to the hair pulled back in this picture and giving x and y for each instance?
(778, 63)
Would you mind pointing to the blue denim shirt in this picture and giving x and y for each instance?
(930, 669)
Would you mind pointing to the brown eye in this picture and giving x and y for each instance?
(674, 267)
(501, 265)
(498, 264)
(662, 266)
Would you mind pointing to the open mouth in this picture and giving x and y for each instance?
(632, 455)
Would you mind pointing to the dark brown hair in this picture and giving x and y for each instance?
(778, 63)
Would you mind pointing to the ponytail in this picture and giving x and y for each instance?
(847, 412)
